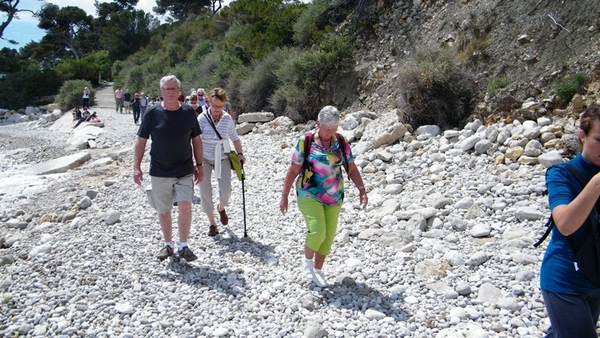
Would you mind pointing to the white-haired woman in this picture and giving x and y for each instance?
(318, 159)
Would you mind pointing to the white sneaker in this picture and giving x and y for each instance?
(307, 265)
(319, 278)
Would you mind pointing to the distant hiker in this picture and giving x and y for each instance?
(320, 188)
(119, 100)
(127, 101)
(85, 98)
(143, 104)
(136, 105)
(175, 163)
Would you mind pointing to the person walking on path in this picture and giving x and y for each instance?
(320, 188)
(127, 101)
(136, 106)
(571, 300)
(217, 129)
(143, 104)
(85, 98)
(119, 100)
(175, 163)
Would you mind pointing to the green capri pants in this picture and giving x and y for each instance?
(321, 222)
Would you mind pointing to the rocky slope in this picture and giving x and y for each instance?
(531, 44)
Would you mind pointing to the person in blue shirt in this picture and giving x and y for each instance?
(571, 300)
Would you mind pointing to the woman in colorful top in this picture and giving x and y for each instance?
(320, 189)
(217, 129)
(572, 302)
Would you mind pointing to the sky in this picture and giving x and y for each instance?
(24, 29)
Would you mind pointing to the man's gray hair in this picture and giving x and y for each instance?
(201, 90)
(168, 78)
(329, 116)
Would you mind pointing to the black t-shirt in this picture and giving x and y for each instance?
(136, 102)
(127, 96)
(171, 133)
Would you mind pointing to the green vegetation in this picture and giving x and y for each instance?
(495, 84)
(70, 94)
(568, 87)
(277, 55)
(28, 87)
(435, 90)
(473, 40)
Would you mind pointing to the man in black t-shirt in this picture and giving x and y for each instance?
(127, 101)
(175, 163)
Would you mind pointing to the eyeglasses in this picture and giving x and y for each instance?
(170, 88)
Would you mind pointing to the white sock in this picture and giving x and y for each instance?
(169, 244)
(182, 245)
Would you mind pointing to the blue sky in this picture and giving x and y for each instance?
(24, 29)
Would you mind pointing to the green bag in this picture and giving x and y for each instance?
(236, 165)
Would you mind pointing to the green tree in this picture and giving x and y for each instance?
(126, 32)
(10, 60)
(259, 26)
(181, 9)
(66, 27)
(11, 10)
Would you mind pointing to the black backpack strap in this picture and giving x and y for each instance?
(549, 227)
(342, 142)
(308, 137)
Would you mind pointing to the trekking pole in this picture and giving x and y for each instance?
(244, 198)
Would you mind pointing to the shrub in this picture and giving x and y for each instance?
(69, 95)
(262, 81)
(89, 68)
(434, 90)
(27, 88)
(495, 84)
(305, 29)
(308, 79)
(568, 87)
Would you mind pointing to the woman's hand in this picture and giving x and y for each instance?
(364, 199)
(283, 204)
(242, 158)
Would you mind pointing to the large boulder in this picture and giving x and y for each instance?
(385, 130)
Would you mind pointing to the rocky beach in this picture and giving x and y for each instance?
(443, 250)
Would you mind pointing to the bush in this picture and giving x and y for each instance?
(262, 82)
(70, 93)
(568, 87)
(28, 88)
(90, 68)
(434, 90)
(308, 79)
(495, 84)
(305, 29)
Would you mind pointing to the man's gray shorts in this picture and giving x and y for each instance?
(167, 190)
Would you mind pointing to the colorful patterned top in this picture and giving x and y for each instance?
(324, 179)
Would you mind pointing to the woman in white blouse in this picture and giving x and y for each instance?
(218, 128)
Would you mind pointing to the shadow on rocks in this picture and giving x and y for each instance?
(227, 281)
(234, 243)
(346, 293)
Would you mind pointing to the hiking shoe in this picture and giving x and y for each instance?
(307, 267)
(187, 254)
(223, 216)
(164, 253)
(212, 230)
(319, 278)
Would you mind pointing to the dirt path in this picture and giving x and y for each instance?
(105, 97)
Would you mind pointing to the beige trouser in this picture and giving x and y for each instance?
(224, 183)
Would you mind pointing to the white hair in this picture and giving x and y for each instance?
(329, 116)
(168, 78)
